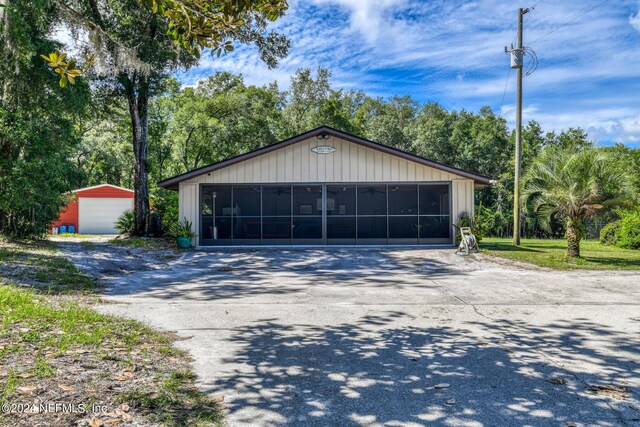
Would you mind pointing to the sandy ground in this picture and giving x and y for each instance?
(101, 259)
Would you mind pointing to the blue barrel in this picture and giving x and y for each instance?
(72, 229)
(63, 229)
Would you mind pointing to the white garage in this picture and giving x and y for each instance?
(98, 215)
(94, 210)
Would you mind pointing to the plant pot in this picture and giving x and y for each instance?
(183, 242)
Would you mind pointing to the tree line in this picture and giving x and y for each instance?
(222, 116)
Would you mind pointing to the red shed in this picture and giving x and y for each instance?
(95, 209)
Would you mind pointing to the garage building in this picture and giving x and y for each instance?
(95, 209)
(325, 187)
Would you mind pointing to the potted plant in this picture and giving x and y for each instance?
(182, 231)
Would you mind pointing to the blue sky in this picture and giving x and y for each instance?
(452, 52)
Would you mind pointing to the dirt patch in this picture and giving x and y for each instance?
(105, 260)
(41, 265)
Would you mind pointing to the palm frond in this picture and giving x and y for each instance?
(572, 184)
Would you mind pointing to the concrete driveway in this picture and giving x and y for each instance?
(397, 337)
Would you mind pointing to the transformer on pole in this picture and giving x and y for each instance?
(517, 62)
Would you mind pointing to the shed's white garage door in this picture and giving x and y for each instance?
(97, 215)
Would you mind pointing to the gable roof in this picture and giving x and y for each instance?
(99, 186)
(172, 183)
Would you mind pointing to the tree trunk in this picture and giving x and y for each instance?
(137, 91)
(574, 235)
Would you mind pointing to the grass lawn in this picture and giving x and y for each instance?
(55, 348)
(551, 253)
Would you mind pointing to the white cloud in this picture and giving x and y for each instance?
(634, 20)
(631, 127)
(450, 51)
(371, 18)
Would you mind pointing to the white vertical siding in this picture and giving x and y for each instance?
(462, 197)
(350, 162)
(188, 206)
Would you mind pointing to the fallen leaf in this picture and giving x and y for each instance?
(95, 422)
(127, 417)
(66, 388)
(558, 381)
(124, 377)
(451, 402)
(26, 390)
(610, 390)
(113, 421)
(217, 399)
(174, 359)
(441, 386)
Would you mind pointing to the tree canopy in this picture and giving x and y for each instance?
(133, 46)
(38, 132)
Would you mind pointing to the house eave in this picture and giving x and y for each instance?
(174, 182)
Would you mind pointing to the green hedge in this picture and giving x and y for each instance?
(628, 235)
(608, 233)
(624, 233)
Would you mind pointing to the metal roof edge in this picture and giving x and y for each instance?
(173, 182)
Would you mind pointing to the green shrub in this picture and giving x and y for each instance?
(608, 233)
(628, 235)
(183, 228)
(165, 203)
(126, 223)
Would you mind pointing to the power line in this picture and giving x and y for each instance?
(568, 22)
(532, 65)
(537, 3)
(506, 84)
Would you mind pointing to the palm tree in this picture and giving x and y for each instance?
(572, 185)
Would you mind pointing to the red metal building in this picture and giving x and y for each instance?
(95, 209)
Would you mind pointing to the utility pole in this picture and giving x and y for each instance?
(517, 59)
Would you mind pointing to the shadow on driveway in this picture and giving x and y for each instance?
(375, 372)
(231, 274)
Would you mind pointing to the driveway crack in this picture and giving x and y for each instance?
(504, 332)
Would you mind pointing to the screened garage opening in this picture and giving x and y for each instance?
(331, 214)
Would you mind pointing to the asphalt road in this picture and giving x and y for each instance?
(397, 337)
